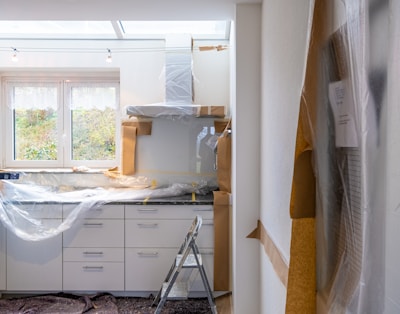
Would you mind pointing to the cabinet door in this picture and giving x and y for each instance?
(34, 265)
(2, 257)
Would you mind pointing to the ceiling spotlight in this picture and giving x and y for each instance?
(14, 57)
(109, 57)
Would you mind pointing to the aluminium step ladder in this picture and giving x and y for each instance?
(184, 259)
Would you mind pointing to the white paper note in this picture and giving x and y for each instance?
(343, 110)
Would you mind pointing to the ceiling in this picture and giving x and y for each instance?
(116, 10)
(52, 29)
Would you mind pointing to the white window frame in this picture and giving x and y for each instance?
(63, 124)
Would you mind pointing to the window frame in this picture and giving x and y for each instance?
(64, 83)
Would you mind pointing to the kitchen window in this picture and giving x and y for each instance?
(60, 122)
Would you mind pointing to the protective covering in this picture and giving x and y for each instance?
(19, 201)
(347, 130)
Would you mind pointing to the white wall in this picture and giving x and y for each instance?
(284, 46)
(246, 159)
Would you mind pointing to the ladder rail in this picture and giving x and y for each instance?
(189, 244)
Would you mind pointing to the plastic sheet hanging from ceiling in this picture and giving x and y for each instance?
(347, 130)
(21, 201)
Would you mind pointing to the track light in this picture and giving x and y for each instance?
(109, 57)
(14, 57)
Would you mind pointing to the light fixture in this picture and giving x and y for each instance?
(109, 57)
(14, 57)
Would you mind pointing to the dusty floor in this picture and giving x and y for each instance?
(106, 304)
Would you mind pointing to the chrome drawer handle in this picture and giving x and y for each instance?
(148, 210)
(207, 224)
(202, 209)
(93, 253)
(148, 225)
(148, 254)
(92, 267)
(93, 224)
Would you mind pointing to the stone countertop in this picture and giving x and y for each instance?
(186, 199)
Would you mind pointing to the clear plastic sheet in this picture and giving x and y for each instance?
(349, 161)
(20, 200)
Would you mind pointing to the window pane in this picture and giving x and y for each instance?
(35, 123)
(93, 116)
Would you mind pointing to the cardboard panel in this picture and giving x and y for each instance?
(222, 241)
(128, 150)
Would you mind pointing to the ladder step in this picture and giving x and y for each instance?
(179, 291)
(190, 260)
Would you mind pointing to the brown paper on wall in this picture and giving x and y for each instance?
(224, 160)
(222, 241)
(128, 150)
(302, 275)
(301, 290)
(277, 260)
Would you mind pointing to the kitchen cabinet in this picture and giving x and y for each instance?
(36, 265)
(123, 247)
(2, 257)
(153, 235)
(93, 250)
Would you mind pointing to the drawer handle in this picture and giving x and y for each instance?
(207, 224)
(147, 210)
(148, 254)
(93, 224)
(202, 209)
(141, 225)
(93, 253)
(88, 268)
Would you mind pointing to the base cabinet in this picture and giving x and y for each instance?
(118, 248)
(3, 257)
(34, 266)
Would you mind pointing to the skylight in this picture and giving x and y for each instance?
(112, 29)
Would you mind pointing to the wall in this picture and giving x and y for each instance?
(246, 159)
(172, 148)
(284, 47)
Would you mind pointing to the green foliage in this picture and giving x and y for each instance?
(35, 134)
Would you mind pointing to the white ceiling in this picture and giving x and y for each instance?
(119, 9)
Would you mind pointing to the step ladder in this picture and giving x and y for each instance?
(187, 257)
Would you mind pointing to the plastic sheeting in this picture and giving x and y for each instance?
(347, 132)
(19, 202)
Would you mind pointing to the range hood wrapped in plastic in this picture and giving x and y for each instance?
(179, 91)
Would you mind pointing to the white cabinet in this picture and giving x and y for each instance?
(153, 235)
(93, 250)
(36, 265)
(2, 257)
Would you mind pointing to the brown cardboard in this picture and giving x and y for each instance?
(212, 111)
(220, 125)
(222, 241)
(224, 160)
(143, 127)
(277, 260)
(302, 275)
(303, 189)
(128, 150)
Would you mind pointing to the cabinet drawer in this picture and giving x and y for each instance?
(38, 211)
(93, 255)
(146, 269)
(93, 276)
(95, 233)
(102, 212)
(165, 233)
(168, 211)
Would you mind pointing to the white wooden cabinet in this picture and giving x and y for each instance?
(153, 235)
(36, 265)
(93, 251)
(2, 257)
(116, 247)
